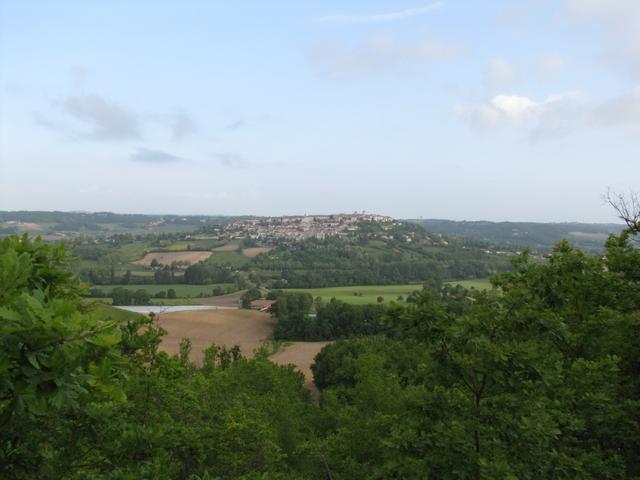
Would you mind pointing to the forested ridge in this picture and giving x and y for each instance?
(404, 255)
(533, 235)
(537, 378)
(370, 255)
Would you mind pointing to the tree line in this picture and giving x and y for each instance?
(300, 317)
(537, 378)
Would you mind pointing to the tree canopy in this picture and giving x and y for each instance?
(536, 378)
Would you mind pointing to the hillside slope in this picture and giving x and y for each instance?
(537, 236)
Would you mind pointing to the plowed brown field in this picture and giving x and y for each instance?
(229, 247)
(300, 354)
(245, 328)
(231, 326)
(230, 300)
(167, 258)
(254, 251)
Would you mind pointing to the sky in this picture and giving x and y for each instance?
(496, 110)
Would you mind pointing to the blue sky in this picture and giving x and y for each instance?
(498, 110)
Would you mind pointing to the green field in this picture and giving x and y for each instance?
(235, 259)
(154, 301)
(478, 284)
(370, 293)
(107, 312)
(195, 244)
(182, 290)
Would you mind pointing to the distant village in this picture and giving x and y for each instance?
(304, 226)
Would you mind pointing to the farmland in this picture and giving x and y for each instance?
(388, 260)
(228, 327)
(245, 328)
(255, 251)
(182, 290)
(167, 258)
(360, 295)
(478, 284)
(228, 257)
(107, 312)
(300, 354)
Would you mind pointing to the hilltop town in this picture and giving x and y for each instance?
(304, 226)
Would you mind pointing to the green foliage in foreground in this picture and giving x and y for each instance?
(52, 353)
(84, 398)
(539, 379)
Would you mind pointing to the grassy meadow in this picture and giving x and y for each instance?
(360, 295)
(107, 312)
(478, 284)
(182, 290)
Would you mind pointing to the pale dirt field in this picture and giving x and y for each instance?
(245, 328)
(254, 251)
(230, 300)
(167, 258)
(229, 247)
(30, 227)
(300, 354)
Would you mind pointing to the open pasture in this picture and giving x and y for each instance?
(360, 295)
(478, 284)
(227, 247)
(167, 258)
(255, 251)
(364, 294)
(233, 258)
(182, 290)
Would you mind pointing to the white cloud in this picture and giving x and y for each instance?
(544, 118)
(556, 115)
(94, 117)
(484, 117)
(235, 125)
(548, 66)
(104, 119)
(231, 160)
(379, 54)
(179, 123)
(382, 17)
(154, 156)
(79, 74)
(621, 21)
(500, 73)
(620, 110)
(515, 108)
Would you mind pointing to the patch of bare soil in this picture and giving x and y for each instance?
(30, 227)
(229, 247)
(245, 328)
(300, 354)
(230, 300)
(255, 251)
(167, 258)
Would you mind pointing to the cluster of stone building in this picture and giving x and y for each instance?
(303, 227)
